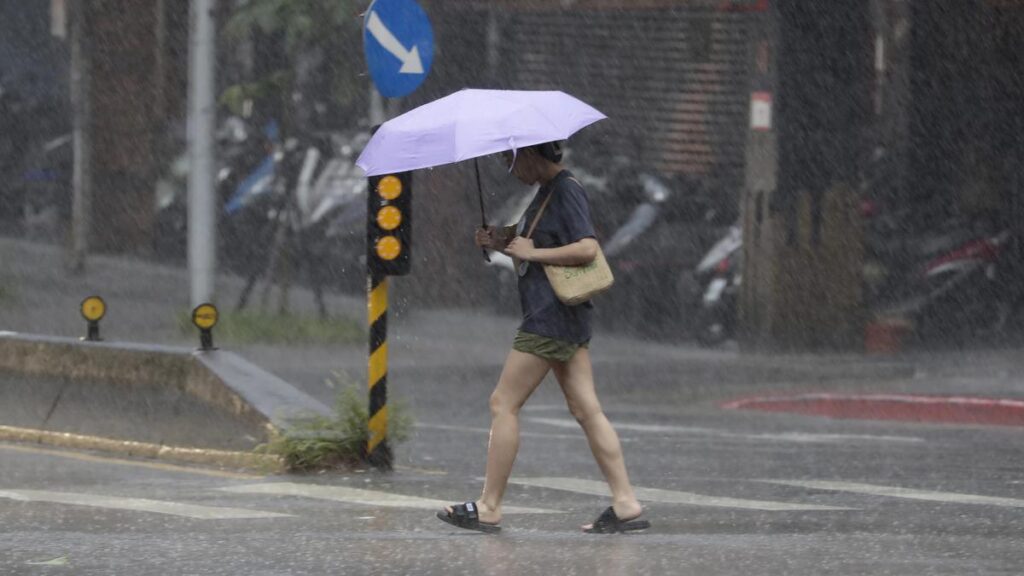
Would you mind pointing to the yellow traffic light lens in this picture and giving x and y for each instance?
(389, 218)
(389, 187)
(388, 248)
(93, 308)
(205, 316)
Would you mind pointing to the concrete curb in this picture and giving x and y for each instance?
(230, 386)
(264, 463)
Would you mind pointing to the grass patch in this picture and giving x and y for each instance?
(322, 443)
(262, 328)
(8, 292)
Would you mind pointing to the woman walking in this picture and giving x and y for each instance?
(552, 337)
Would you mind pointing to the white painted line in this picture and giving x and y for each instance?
(545, 408)
(667, 496)
(370, 498)
(569, 423)
(827, 438)
(59, 561)
(522, 433)
(896, 492)
(802, 437)
(896, 398)
(138, 505)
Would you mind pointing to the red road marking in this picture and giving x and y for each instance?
(905, 407)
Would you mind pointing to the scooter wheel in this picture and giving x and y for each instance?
(711, 331)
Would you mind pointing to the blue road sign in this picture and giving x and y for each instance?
(399, 46)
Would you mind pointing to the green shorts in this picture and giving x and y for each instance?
(546, 348)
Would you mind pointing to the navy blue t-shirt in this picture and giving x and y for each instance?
(566, 220)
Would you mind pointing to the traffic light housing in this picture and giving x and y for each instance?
(389, 224)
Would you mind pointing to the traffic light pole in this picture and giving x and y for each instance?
(378, 453)
(389, 244)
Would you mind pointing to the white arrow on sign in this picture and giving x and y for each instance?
(411, 63)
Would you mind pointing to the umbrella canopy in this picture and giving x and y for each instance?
(472, 123)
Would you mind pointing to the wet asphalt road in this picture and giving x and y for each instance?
(727, 492)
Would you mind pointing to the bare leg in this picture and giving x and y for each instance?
(520, 377)
(576, 378)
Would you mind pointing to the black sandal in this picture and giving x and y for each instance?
(466, 516)
(609, 523)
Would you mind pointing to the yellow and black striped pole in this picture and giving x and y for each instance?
(378, 453)
(388, 243)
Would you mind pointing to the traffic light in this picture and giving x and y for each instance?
(389, 228)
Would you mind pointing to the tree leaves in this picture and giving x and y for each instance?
(303, 23)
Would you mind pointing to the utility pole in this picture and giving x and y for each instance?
(802, 235)
(202, 117)
(81, 102)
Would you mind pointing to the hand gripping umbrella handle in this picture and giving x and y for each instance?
(483, 215)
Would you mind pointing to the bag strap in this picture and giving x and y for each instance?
(544, 205)
(540, 212)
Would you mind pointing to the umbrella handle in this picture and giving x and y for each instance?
(483, 215)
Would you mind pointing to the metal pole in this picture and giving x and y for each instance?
(493, 47)
(202, 117)
(81, 98)
(378, 453)
(377, 116)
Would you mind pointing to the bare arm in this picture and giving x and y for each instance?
(493, 238)
(576, 254)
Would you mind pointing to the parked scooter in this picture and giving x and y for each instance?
(669, 225)
(719, 276)
(34, 155)
(310, 185)
(962, 291)
(45, 189)
(331, 200)
(953, 281)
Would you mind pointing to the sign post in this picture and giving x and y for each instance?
(399, 46)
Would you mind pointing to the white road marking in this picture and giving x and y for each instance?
(803, 437)
(545, 408)
(897, 492)
(138, 505)
(522, 433)
(826, 438)
(59, 561)
(371, 498)
(667, 496)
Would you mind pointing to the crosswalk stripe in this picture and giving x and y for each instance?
(800, 437)
(897, 492)
(523, 434)
(667, 496)
(138, 505)
(371, 498)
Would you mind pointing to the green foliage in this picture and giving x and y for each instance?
(8, 293)
(262, 90)
(303, 23)
(322, 443)
(262, 328)
(332, 26)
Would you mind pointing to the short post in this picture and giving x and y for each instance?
(93, 309)
(205, 317)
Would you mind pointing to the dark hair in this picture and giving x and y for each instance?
(550, 151)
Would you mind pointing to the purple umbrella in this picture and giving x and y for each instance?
(473, 123)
